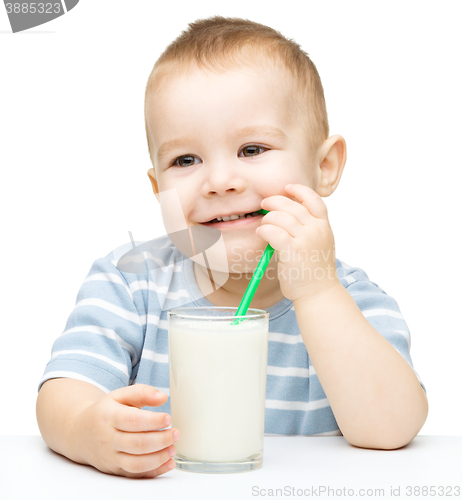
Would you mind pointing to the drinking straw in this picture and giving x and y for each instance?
(255, 281)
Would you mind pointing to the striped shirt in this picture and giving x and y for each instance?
(117, 335)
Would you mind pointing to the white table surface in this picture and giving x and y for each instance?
(293, 467)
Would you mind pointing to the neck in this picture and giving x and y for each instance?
(229, 294)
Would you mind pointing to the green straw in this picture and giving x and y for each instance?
(255, 281)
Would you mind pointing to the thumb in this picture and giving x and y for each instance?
(139, 395)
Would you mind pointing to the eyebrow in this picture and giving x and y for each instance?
(258, 130)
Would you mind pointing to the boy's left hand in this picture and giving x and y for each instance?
(300, 233)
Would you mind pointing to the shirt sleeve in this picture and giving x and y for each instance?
(103, 338)
(382, 312)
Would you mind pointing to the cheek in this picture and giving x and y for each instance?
(172, 210)
(292, 171)
(284, 167)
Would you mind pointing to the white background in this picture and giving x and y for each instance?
(74, 157)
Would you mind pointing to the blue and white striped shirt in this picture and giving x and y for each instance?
(117, 335)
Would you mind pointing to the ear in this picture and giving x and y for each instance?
(332, 159)
(152, 178)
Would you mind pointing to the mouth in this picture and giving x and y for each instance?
(234, 219)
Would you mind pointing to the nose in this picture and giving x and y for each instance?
(222, 179)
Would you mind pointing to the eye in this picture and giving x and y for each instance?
(253, 150)
(185, 161)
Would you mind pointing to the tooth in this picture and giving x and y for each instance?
(233, 217)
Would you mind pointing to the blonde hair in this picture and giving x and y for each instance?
(220, 43)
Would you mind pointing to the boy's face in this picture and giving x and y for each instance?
(225, 142)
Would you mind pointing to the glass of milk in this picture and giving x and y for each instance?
(218, 387)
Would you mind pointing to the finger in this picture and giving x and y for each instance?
(139, 395)
(283, 220)
(309, 199)
(143, 443)
(166, 467)
(139, 464)
(285, 204)
(277, 237)
(130, 419)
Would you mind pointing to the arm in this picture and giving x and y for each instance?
(59, 402)
(374, 393)
(107, 431)
(350, 357)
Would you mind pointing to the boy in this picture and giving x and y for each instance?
(236, 122)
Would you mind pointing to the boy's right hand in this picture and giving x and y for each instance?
(117, 437)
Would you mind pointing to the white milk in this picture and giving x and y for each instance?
(218, 387)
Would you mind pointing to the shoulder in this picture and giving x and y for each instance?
(350, 275)
(369, 296)
(134, 260)
(131, 267)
